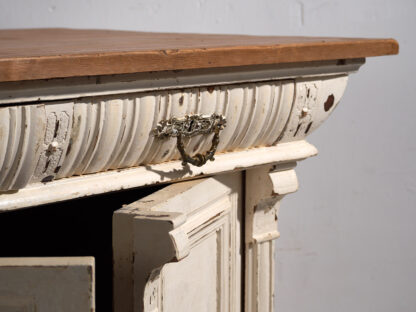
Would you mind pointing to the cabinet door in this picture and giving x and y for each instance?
(47, 284)
(180, 248)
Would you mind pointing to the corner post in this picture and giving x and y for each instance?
(265, 187)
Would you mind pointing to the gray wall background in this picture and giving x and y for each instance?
(348, 236)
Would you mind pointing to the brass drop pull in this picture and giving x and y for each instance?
(189, 126)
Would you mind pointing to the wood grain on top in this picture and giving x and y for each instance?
(27, 54)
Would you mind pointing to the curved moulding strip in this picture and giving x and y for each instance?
(22, 132)
(314, 101)
(43, 142)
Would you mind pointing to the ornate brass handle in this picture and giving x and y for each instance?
(190, 126)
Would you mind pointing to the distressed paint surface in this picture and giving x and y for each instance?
(389, 283)
(265, 188)
(65, 189)
(97, 134)
(314, 101)
(194, 260)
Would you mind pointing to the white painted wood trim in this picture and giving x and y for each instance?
(75, 187)
(177, 220)
(270, 111)
(51, 141)
(72, 88)
(265, 188)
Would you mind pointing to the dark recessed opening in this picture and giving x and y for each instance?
(81, 227)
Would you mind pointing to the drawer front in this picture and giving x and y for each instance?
(53, 140)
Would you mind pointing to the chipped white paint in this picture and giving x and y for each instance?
(113, 133)
(64, 189)
(314, 100)
(105, 133)
(265, 187)
(194, 260)
(58, 120)
(47, 284)
(186, 238)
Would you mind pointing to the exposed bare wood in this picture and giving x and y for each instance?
(55, 53)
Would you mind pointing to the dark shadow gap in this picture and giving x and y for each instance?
(79, 227)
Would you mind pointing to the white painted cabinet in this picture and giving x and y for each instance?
(199, 245)
(181, 248)
(129, 118)
(187, 248)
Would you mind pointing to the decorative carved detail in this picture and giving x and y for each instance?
(113, 132)
(188, 127)
(191, 234)
(315, 99)
(265, 187)
(22, 131)
(58, 127)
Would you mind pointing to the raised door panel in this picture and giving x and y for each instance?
(180, 248)
(63, 284)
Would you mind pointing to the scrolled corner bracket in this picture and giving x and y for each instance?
(189, 126)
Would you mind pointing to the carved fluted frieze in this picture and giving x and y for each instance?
(53, 140)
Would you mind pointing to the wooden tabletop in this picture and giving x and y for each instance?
(27, 54)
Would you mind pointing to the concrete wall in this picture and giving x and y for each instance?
(348, 236)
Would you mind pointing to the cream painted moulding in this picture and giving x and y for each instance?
(90, 129)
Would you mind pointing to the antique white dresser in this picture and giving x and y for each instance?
(144, 171)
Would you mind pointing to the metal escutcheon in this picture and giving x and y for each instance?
(189, 126)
